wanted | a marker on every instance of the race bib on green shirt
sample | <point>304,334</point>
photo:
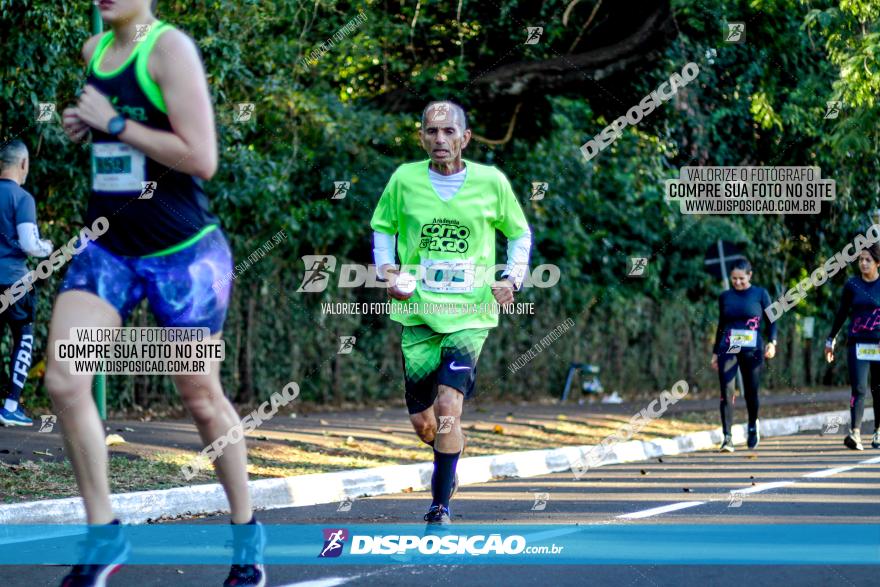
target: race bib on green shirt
<point>453,276</point>
<point>117,168</point>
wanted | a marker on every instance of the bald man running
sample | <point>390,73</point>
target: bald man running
<point>445,212</point>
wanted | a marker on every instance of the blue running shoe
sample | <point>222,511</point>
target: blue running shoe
<point>248,543</point>
<point>438,514</point>
<point>16,418</point>
<point>105,546</point>
<point>754,436</point>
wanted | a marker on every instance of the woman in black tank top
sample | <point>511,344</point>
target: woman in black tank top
<point>147,106</point>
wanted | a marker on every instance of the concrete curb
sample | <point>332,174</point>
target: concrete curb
<point>304,490</point>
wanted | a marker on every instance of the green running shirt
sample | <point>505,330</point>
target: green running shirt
<point>449,240</point>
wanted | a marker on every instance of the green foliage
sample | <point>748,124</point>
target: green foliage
<point>761,102</point>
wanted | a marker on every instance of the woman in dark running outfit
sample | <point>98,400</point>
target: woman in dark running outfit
<point>861,302</point>
<point>147,106</point>
<point>738,344</point>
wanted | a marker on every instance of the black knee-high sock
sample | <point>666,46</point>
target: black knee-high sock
<point>443,477</point>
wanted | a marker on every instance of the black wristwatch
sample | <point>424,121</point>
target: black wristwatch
<point>116,126</point>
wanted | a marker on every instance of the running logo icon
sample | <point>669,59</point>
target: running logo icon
<point>541,500</point>
<point>736,32</point>
<point>637,266</point>
<point>148,188</point>
<point>832,425</point>
<point>736,499</point>
<point>334,541</point>
<point>45,110</point>
<point>832,110</point>
<point>141,32</point>
<point>318,270</point>
<point>340,189</point>
<point>535,33</point>
<point>346,345</point>
<point>445,426</point>
<point>47,423</point>
<point>245,111</point>
<point>439,113</point>
<point>539,190</point>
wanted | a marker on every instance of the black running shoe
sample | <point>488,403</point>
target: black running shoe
<point>248,543</point>
<point>103,543</point>
<point>438,514</point>
<point>727,445</point>
<point>875,441</point>
<point>246,575</point>
<point>853,440</point>
<point>754,436</point>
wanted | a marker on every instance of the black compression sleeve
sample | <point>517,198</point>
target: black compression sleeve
<point>765,303</point>
<point>842,310</point>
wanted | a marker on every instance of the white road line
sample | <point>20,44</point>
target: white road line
<point>763,487</point>
<point>326,582</point>
<point>836,470</point>
<point>660,510</point>
<point>755,489</point>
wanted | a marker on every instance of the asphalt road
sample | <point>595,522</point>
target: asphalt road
<point>800,479</point>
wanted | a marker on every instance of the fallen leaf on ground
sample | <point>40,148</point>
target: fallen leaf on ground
<point>113,439</point>
<point>498,429</point>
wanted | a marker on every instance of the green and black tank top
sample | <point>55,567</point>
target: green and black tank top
<point>152,209</point>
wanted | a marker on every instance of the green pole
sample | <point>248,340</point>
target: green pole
<point>99,384</point>
<point>97,23</point>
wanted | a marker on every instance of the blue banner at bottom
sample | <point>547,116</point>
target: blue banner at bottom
<point>355,544</point>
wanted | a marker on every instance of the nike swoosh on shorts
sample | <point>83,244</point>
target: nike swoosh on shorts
<point>455,367</point>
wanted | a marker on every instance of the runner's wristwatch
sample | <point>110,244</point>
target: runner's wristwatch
<point>116,126</point>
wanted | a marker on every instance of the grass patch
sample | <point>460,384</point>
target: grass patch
<point>32,480</point>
